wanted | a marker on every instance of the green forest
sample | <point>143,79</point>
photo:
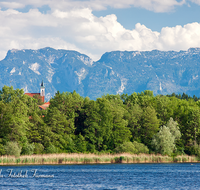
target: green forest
<point>136,123</point>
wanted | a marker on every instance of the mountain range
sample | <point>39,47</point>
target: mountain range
<point>117,72</point>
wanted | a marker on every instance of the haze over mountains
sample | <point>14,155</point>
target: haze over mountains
<point>163,72</point>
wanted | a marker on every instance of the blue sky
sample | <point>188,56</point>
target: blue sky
<point>94,27</point>
<point>128,17</point>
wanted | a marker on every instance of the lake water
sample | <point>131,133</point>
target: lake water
<point>101,176</point>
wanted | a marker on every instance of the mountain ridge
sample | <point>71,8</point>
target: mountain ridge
<point>163,72</point>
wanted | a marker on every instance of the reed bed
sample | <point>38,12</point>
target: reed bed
<point>80,158</point>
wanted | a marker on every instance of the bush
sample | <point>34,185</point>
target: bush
<point>91,148</point>
<point>132,147</point>
<point>12,148</point>
<point>28,149</point>
<point>51,149</point>
<point>39,148</point>
<point>141,148</point>
<point>197,150</point>
<point>126,147</point>
<point>193,149</point>
<point>2,150</point>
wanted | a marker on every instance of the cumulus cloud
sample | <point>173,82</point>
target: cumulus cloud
<point>78,29</point>
<point>179,37</point>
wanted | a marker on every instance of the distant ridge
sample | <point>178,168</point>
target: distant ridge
<point>163,72</point>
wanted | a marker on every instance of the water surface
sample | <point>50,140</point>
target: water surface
<point>101,176</point>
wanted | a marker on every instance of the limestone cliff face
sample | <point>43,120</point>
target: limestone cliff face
<point>163,72</point>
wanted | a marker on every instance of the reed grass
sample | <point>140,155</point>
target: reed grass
<point>81,158</point>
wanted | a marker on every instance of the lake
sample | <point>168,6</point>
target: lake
<point>101,176</point>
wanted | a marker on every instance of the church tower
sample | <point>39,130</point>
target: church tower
<point>42,89</point>
<point>40,95</point>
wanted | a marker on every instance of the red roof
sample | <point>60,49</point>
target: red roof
<point>44,106</point>
<point>33,94</point>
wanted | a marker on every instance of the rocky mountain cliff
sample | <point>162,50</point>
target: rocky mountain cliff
<point>163,72</point>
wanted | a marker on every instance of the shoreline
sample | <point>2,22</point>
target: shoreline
<point>80,158</point>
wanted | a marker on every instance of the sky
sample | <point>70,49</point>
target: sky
<point>93,27</point>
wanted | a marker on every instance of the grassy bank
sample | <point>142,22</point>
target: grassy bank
<point>93,159</point>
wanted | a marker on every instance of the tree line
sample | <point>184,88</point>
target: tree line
<point>136,123</point>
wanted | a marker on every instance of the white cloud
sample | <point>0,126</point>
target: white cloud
<point>11,5</point>
<point>196,1</point>
<point>153,5</point>
<point>78,29</point>
<point>179,37</point>
<point>66,5</point>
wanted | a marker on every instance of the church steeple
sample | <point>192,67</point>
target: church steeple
<point>42,89</point>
